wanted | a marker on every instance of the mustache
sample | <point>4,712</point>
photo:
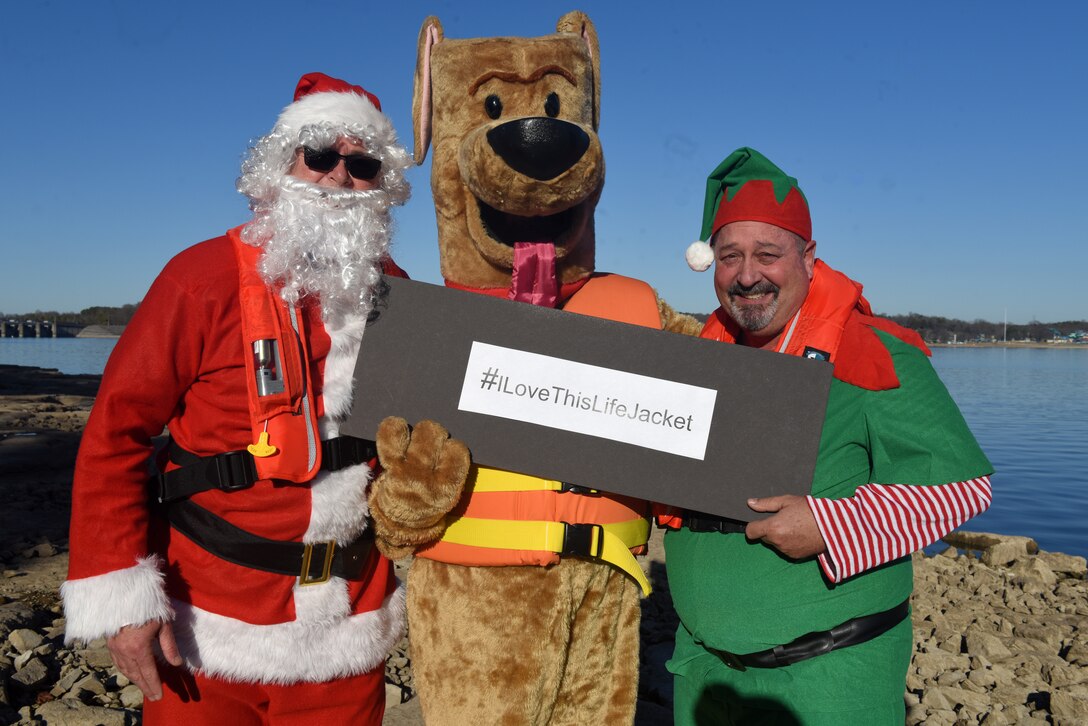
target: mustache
<point>760,288</point>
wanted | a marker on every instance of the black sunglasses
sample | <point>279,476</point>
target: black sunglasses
<point>360,166</point>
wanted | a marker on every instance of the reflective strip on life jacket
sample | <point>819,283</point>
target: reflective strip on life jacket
<point>609,542</point>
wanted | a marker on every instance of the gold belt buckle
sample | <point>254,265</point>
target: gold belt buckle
<point>304,578</point>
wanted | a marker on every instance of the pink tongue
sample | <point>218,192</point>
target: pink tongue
<point>533,278</point>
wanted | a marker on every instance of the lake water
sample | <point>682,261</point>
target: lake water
<point>68,355</point>
<point>1027,407</point>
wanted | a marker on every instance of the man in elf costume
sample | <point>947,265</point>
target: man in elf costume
<point>803,617</point>
<point>250,561</point>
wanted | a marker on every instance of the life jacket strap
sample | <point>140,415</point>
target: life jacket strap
<point>610,543</point>
<point>235,470</point>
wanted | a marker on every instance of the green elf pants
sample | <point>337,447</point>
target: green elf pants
<point>861,685</point>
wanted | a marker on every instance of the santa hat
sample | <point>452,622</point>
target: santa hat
<point>322,100</point>
<point>748,187</point>
<point>324,109</point>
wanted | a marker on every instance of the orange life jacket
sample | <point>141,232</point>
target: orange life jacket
<point>506,518</point>
<point>283,415</point>
<point>835,323</point>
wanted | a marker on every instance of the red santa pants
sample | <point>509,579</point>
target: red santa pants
<point>195,700</point>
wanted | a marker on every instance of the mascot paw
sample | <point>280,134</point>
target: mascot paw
<point>423,475</point>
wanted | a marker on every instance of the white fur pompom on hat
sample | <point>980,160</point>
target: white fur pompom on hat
<point>699,256</point>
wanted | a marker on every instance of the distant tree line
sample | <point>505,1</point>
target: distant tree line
<point>935,329</point>
<point>97,315</point>
<point>932,328</point>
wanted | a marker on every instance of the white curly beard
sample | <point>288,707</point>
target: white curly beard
<point>324,242</point>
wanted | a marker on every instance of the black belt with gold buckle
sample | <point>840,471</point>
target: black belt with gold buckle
<point>853,632</point>
<point>311,563</point>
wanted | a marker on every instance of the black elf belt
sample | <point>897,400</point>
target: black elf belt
<point>853,632</point>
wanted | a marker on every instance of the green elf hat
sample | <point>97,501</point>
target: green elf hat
<point>748,187</point>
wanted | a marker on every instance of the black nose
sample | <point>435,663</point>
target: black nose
<point>539,147</point>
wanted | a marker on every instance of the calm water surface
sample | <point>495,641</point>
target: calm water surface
<point>1028,409</point>
<point>67,355</point>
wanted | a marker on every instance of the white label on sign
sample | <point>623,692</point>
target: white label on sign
<point>649,412</point>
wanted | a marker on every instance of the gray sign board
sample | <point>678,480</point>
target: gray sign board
<point>749,424</point>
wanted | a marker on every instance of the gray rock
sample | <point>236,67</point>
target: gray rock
<point>67,680</point>
<point>986,644</point>
<point>32,675</point>
<point>89,684</point>
<point>24,639</point>
<point>132,697</point>
<point>70,712</point>
<point>997,549</point>
<point>97,657</point>
<point>1034,575</point>
<point>1065,564</point>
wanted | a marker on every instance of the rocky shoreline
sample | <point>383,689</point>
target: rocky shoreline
<point>1001,628</point>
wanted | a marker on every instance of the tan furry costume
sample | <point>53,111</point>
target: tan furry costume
<point>514,644</point>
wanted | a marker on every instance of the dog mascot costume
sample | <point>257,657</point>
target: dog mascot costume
<point>503,628</point>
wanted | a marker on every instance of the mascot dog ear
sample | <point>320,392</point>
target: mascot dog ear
<point>431,34</point>
<point>576,22</point>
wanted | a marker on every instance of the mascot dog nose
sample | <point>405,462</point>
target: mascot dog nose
<point>539,147</point>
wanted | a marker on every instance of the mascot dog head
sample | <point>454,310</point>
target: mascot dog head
<point>513,123</point>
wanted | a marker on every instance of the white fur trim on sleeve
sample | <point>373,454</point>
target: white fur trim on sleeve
<point>99,606</point>
<point>699,256</point>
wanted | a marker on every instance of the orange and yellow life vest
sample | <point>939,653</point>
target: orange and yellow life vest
<point>507,518</point>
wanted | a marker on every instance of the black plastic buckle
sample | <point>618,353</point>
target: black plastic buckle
<point>578,540</point>
<point>236,470</point>
<point>698,522</point>
<point>567,487</point>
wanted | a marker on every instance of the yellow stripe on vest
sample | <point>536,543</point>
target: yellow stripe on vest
<point>610,542</point>
<point>500,480</point>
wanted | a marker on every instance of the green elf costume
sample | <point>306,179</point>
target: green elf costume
<point>764,639</point>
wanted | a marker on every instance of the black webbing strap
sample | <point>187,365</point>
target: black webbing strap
<point>312,564</point>
<point>853,632</point>
<point>702,522</point>
<point>235,470</point>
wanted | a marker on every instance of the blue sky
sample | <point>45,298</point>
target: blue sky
<point>941,144</point>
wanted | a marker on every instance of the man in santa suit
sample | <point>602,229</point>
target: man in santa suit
<point>249,565</point>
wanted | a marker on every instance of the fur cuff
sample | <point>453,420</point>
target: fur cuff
<point>99,606</point>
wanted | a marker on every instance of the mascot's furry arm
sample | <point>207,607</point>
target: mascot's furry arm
<point>423,475</point>
<point>675,322</point>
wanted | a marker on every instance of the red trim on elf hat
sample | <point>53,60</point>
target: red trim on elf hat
<point>320,83</point>
<point>756,202</point>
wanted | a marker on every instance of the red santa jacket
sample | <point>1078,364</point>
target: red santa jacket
<point>181,363</point>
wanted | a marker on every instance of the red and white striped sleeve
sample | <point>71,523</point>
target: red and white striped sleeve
<point>881,523</point>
